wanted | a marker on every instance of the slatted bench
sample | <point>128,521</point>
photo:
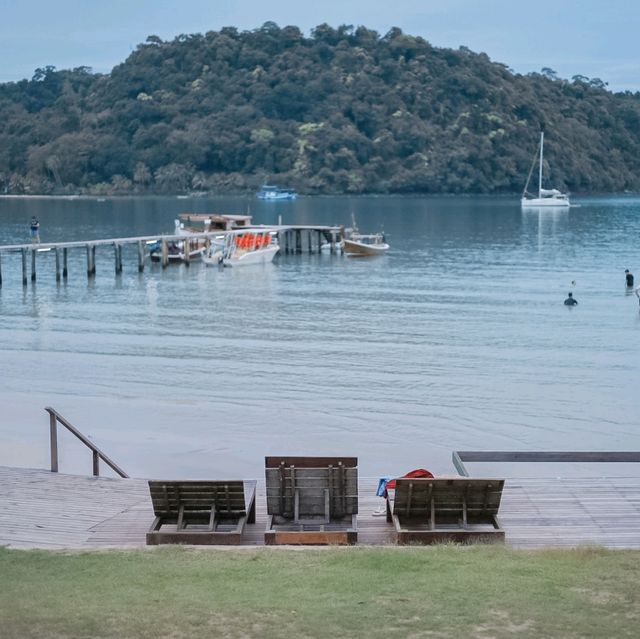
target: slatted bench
<point>201,512</point>
<point>311,500</point>
<point>445,509</point>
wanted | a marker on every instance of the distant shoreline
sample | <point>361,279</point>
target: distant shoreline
<point>202,196</point>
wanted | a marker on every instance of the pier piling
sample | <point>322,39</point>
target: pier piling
<point>140,257</point>
<point>117,251</point>
<point>57,265</point>
<point>33,265</point>
<point>164,253</point>
<point>186,249</point>
<point>64,263</point>
<point>24,266</point>
<point>91,260</point>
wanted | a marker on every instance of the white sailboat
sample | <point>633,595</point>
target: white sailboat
<point>546,197</point>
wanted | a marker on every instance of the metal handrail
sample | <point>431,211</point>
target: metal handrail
<point>54,418</point>
<point>603,457</point>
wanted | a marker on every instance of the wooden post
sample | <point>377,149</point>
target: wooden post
<point>298,241</point>
<point>91,260</point>
<point>0,269</point>
<point>88,261</point>
<point>140,257</point>
<point>65,272</point>
<point>186,251</point>
<point>165,253</point>
<point>53,435</point>
<point>96,464</point>
<point>24,266</point>
<point>319,241</point>
<point>57,265</point>
<point>117,252</point>
<point>309,234</point>
<point>33,265</point>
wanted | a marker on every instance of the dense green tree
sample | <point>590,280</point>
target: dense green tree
<point>343,110</point>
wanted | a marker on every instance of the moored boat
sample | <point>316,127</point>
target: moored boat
<point>546,197</point>
<point>176,251</point>
<point>270,192</point>
<point>195,224</point>
<point>356,244</point>
<point>359,245</point>
<point>177,248</point>
<point>243,248</point>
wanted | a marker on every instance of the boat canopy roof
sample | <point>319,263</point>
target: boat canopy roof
<point>550,192</point>
<point>221,221</point>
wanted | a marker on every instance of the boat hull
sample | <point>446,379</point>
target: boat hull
<point>359,249</point>
<point>261,256</point>
<point>177,258</point>
<point>544,202</point>
<point>277,198</point>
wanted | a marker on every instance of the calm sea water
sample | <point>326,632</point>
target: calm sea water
<point>457,339</point>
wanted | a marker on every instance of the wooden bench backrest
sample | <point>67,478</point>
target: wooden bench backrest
<point>413,498</point>
<point>196,496</point>
<point>312,476</point>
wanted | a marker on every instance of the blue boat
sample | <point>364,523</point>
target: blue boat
<point>269,192</point>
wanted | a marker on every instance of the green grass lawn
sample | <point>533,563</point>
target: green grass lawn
<point>439,591</point>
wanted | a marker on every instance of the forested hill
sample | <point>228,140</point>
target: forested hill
<point>344,110</point>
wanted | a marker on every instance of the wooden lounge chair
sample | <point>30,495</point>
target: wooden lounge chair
<point>311,500</point>
<point>201,512</point>
<point>445,509</point>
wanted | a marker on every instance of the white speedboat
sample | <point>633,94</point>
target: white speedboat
<point>546,197</point>
<point>243,248</point>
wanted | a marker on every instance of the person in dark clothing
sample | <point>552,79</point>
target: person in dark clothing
<point>570,301</point>
<point>34,228</point>
<point>629,277</point>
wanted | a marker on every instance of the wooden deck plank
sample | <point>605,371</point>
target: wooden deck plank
<point>40,509</point>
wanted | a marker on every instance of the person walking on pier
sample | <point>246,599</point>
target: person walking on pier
<point>35,230</point>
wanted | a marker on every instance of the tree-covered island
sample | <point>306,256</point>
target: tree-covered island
<point>342,111</point>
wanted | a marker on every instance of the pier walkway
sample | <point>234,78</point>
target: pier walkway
<point>41,509</point>
<point>291,238</point>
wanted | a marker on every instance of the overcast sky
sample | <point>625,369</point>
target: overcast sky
<point>595,38</point>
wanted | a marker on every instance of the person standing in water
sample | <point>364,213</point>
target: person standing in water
<point>629,277</point>
<point>570,301</point>
<point>34,227</point>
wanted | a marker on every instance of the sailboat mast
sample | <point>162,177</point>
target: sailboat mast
<point>540,170</point>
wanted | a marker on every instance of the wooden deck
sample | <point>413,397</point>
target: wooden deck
<point>40,509</point>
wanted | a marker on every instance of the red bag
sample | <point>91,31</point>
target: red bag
<point>419,473</point>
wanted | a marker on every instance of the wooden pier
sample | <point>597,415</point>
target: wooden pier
<point>41,509</point>
<point>45,509</point>
<point>292,240</point>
